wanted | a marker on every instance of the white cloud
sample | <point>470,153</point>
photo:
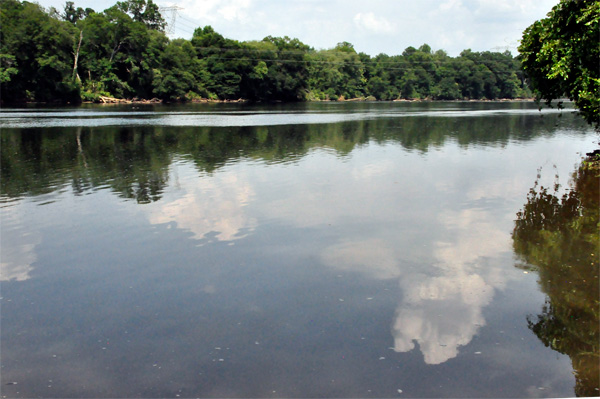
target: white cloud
<point>216,11</point>
<point>383,26</point>
<point>450,5</point>
<point>512,7</point>
<point>372,23</point>
<point>235,10</point>
<point>198,9</point>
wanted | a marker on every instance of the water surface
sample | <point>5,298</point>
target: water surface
<point>309,250</point>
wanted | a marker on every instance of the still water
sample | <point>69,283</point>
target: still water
<point>308,250</point>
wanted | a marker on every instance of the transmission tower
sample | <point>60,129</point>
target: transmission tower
<point>171,22</point>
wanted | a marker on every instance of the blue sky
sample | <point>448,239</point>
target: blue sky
<point>373,26</point>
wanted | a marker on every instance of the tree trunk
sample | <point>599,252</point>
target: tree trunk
<point>75,73</point>
<point>115,50</point>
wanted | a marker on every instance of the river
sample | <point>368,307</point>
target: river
<point>294,250</point>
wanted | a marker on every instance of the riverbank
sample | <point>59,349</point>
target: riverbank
<point>112,100</point>
<point>155,101</point>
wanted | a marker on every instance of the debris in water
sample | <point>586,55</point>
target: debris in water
<point>382,358</point>
<point>478,353</point>
<point>399,390</point>
<point>11,383</point>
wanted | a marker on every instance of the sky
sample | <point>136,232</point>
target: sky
<point>373,26</point>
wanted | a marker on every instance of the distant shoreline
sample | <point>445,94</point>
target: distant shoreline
<point>112,100</point>
<point>242,101</point>
<point>156,101</point>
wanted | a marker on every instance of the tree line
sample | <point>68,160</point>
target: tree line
<point>79,54</point>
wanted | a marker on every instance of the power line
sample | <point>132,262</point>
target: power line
<point>373,60</point>
<point>176,17</point>
<point>354,64</point>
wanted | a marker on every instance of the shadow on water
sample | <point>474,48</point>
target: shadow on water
<point>558,238</point>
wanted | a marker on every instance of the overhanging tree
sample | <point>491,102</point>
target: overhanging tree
<point>561,56</point>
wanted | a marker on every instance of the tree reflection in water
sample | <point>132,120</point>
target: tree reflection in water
<point>558,237</point>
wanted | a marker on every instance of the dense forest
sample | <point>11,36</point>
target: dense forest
<point>79,54</point>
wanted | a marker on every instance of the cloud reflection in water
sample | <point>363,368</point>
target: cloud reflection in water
<point>444,290</point>
<point>442,304</point>
<point>17,253</point>
<point>209,205</point>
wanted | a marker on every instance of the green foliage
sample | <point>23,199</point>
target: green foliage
<point>123,52</point>
<point>40,49</point>
<point>338,72</point>
<point>277,71</point>
<point>72,14</point>
<point>174,79</point>
<point>560,55</point>
<point>8,64</point>
<point>143,11</point>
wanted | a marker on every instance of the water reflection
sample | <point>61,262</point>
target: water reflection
<point>133,161</point>
<point>135,248</point>
<point>557,236</point>
<point>374,257</point>
<point>441,314</point>
<point>444,311</point>
<point>18,250</point>
<point>442,302</point>
<point>210,205</point>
